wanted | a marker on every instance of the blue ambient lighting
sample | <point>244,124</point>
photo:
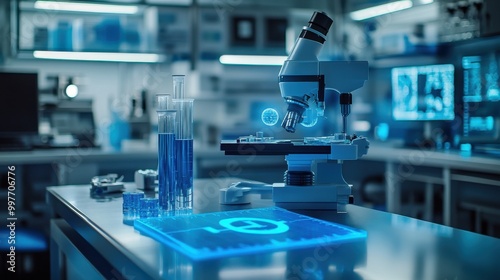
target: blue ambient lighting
<point>270,116</point>
<point>242,232</point>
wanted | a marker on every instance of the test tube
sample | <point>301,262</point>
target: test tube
<point>178,81</point>
<point>184,154</point>
<point>166,153</point>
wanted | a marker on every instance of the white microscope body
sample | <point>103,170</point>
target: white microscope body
<point>314,177</point>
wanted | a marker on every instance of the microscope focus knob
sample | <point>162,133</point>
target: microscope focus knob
<point>345,103</point>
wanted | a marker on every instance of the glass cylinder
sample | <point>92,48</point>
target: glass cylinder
<point>163,101</point>
<point>178,81</point>
<point>184,125</point>
<point>184,154</point>
<point>166,154</point>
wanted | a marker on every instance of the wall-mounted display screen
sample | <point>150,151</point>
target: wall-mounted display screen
<point>481,97</point>
<point>243,32</point>
<point>423,93</point>
<point>276,32</point>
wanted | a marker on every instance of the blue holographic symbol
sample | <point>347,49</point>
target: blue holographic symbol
<point>270,116</point>
<point>310,117</point>
<point>254,225</point>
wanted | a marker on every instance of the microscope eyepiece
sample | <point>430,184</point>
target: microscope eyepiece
<point>318,27</point>
<point>320,22</point>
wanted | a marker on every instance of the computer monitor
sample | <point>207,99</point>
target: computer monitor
<point>481,98</point>
<point>423,93</point>
<point>18,109</point>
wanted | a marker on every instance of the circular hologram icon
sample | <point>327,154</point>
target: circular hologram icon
<point>270,116</point>
<point>310,117</point>
<point>254,225</point>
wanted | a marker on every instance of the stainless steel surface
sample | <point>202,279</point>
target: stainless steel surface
<point>397,247</point>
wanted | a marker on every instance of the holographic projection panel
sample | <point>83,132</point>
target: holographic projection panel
<point>234,233</point>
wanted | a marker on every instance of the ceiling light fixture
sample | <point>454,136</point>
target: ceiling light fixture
<point>381,10</point>
<point>86,7</point>
<point>101,56</point>
<point>252,59</point>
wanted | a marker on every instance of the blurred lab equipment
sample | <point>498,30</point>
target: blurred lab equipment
<point>71,89</point>
<point>119,130</point>
<point>106,184</point>
<point>139,122</point>
<point>382,131</point>
<point>67,123</point>
<point>146,179</point>
<point>314,177</point>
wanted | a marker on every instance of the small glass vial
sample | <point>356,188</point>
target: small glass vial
<point>148,207</point>
<point>131,206</point>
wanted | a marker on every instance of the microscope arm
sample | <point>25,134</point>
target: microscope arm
<point>344,76</point>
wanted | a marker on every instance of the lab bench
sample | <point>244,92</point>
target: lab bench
<point>90,240</point>
<point>457,175</point>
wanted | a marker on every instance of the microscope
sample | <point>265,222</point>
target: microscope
<point>314,177</point>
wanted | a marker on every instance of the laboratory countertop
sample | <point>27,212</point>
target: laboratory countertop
<point>396,247</point>
<point>378,151</point>
<point>90,154</point>
<point>428,156</point>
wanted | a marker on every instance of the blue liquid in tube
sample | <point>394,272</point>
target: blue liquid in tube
<point>166,167</point>
<point>184,150</point>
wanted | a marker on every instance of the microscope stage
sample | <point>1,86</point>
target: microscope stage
<point>276,147</point>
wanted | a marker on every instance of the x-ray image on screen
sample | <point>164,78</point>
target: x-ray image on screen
<point>423,92</point>
<point>481,77</point>
<point>481,97</point>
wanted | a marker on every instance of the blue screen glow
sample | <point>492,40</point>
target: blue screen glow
<point>234,233</point>
<point>423,92</point>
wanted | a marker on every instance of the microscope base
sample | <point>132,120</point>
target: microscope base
<point>316,197</point>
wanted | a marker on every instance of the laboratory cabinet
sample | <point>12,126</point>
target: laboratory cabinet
<point>97,30</point>
<point>450,187</point>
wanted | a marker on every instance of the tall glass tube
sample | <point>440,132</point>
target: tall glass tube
<point>178,81</point>
<point>184,154</point>
<point>166,154</point>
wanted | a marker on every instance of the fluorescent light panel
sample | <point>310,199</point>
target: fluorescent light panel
<point>100,56</point>
<point>252,59</point>
<point>86,7</point>
<point>381,10</point>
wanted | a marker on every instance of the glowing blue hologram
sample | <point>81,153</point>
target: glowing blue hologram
<point>310,117</point>
<point>241,232</point>
<point>270,117</point>
<point>249,226</point>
